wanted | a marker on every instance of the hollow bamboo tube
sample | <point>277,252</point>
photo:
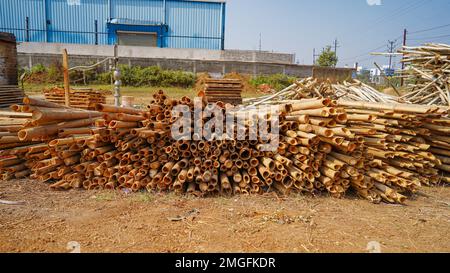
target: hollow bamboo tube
<point>10,162</point>
<point>323,122</point>
<point>70,140</point>
<point>307,128</point>
<point>46,130</point>
<point>303,119</point>
<point>320,112</point>
<point>356,117</point>
<point>74,131</point>
<point>343,132</point>
<point>313,104</point>
<point>43,103</point>
<point>322,131</point>
<point>391,107</point>
<point>444,167</point>
<point>115,109</point>
<point>62,114</point>
<point>116,124</point>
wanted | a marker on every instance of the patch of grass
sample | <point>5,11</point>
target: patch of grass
<point>142,94</point>
<point>143,197</point>
<point>276,81</point>
<point>106,196</point>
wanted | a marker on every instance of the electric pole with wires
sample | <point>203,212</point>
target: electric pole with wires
<point>391,50</point>
<point>336,45</point>
<point>315,56</point>
<point>402,80</point>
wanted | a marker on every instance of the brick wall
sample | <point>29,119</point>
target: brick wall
<point>8,59</point>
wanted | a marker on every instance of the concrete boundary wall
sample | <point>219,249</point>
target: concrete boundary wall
<point>157,53</point>
<point>194,66</point>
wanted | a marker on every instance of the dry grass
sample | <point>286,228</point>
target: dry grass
<point>142,95</point>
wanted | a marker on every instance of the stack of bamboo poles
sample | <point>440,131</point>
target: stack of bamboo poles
<point>82,99</point>
<point>224,90</point>
<point>359,91</point>
<point>337,152</point>
<point>10,94</point>
<point>409,143</point>
<point>403,146</point>
<point>125,150</point>
<point>313,88</point>
<point>31,140</point>
<point>225,166</point>
<point>427,74</point>
<point>439,140</point>
<point>380,151</point>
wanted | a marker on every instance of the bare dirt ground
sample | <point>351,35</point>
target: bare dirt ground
<point>106,221</point>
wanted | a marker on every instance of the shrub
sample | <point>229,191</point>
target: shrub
<point>277,81</point>
<point>103,78</point>
<point>55,73</point>
<point>39,68</point>
<point>131,76</point>
<point>155,76</point>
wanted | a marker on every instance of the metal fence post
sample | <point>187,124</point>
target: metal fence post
<point>27,29</point>
<point>96,31</point>
<point>117,76</point>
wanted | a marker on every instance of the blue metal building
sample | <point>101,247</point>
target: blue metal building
<point>161,23</point>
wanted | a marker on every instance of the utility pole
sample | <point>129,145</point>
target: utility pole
<point>335,47</point>
<point>315,55</point>
<point>260,42</point>
<point>403,64</point>
<point>390,50</point>
<point>117,76</point>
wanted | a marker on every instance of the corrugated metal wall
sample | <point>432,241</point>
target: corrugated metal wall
<point>183,23</point>
<point>13,14</point>
<point>140,10</point>
<point>76,23</point>
<point>182,27</point>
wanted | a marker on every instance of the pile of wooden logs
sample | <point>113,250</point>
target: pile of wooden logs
<point>224,90</point>
<point>79,98</point>
<point>379,151</point>
<point>10,94</point>
<point>313,88</point>
<point>427,74</point>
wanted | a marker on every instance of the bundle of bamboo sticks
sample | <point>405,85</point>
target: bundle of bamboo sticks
<point>224,90</point>
<point>79,98</point>
<point>397,136</point>
<point>427,73</point>
<point>379,151</point>
<point>28,143</point>
<point>314,88</point>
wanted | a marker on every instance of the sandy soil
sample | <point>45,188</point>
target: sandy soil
<point>105,221</point>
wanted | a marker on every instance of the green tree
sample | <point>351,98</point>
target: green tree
<point>327,58</point>
<point>364,76</point>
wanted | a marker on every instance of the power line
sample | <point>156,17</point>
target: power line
<point>401,11</point>
<point>370,51</point>
<point>391,50</point>
<point>405,9</point>
<point>363,54</point>
<point>429,29</point>
<point>429,38</point>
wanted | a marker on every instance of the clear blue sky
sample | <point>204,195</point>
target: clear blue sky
<point>298,26</point>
